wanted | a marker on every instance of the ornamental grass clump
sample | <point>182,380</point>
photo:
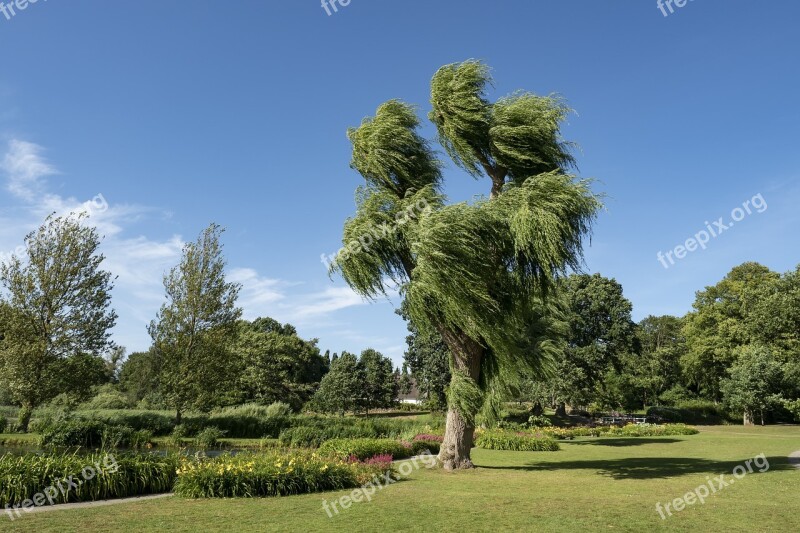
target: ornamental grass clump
<point>101,476</point>
<point>274,473</point>
<point>504,440</point>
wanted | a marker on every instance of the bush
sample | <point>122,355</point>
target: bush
<point>108,397</point>
<point>364,448</point>
<point>794,408</point>
<point>539,421</point>
<point>252,420</point>
<point>160,423</point>
<point>311,432</point>
<point>3,424</point>
<point>118,476</point>
<point>94,434</point>
<point>504,440</point>
<point>651,430</point>
<point>691,412</point>
<point>418,447</point>
<point>272,473</point>
<point>429,437</point>
<point>209,437</point>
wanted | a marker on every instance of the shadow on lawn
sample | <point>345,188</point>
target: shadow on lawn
<point>648,467</point>
<point>624,441</point>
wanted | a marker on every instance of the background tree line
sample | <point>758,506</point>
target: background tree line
<point>737,349</point>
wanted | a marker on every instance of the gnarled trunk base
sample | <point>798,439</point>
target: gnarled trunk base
<point>458,439</point>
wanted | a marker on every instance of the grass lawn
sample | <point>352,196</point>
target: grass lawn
<point>609,484</point>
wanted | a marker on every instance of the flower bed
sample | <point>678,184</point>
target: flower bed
<point>272,474</point>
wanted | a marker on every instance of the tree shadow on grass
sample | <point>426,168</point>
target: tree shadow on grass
<point>650,467</point>
<point>624,441</point>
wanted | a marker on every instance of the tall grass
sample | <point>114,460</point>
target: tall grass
<point>123,476</point>
<point>311,432</point>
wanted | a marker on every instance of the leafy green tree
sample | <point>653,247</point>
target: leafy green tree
<point>276,364</point>
<point>380,386</point>
<point>719,325</point>
<point>480,274</point>
<point>602,333</point>
<point>140,374</point>
<point>656,370</point>
<point>754,383</point>
<point>341,388</point>
<point>428,358</point>
<point>196,327</point>
<point>57,306</point>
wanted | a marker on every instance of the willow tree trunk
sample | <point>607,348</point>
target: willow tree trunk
<point>459,432</point>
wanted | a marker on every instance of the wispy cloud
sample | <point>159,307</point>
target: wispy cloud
<point>139,262</point>
<point>26,169</point>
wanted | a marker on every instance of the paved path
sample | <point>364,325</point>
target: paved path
<point>794,459</point>
<point>86,505</point>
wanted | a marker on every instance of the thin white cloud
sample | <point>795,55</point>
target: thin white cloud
<point>139,262</point>
<point>26,169</point>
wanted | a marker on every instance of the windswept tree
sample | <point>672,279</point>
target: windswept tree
<point>480,274</point>
<point>195,328</point>
<point>57,307</point>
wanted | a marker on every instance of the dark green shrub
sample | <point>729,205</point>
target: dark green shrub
<point>504,440</point>
<point>699,412</point>
<point>94,434</point>
<point>311,432</point>
<point>160,423</point>
<point>419,447</point>
<point>252,420</point>
<point>108,397</point>
<point>209,437</point>
<point>364,448</point>
<point>539,421</point>
<point>3,424</point>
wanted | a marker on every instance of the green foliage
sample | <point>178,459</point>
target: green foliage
<point>701,412</point>
<point>519,133</point>
<point>363,383</point>
<point>539,421</point>
<point>270,473</point>
<point>429,360</point>
<point>275,364</point>
<point>602,334</point>
<point>194,328</point>
<point>341,388</point>
<point>139,376</point>
<point>504,440</point>
<point>252,420</point>
<point>311,432</point>
<point>794,408</point>
<point>208,438</point>
<point>92,434</point>
<point>465,396</point>
<point>108,397</point>
<point>3,424</point>
<point>480,274</point>
<point>754,385</point>
<point>55,312</point>
<point>718,326</point>
<point>650,430</point>
<point>364,449</point>
<point>118,476</point>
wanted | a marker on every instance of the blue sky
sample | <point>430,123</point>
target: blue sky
<point>185,112</point>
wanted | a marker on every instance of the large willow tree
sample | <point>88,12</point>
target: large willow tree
<point>481,274</point>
